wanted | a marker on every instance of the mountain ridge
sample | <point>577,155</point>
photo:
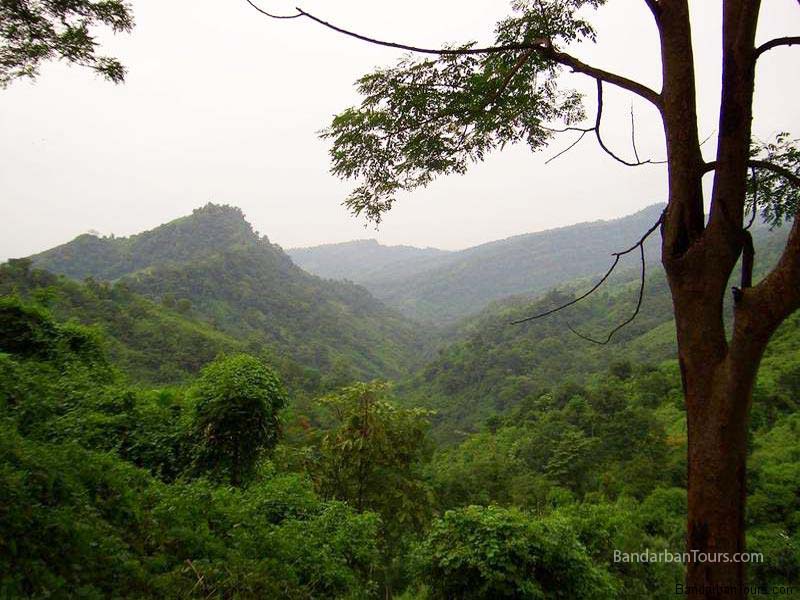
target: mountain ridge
<point>245,286</point>
<point>446,287</point>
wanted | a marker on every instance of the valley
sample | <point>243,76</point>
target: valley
<point>411,411</point>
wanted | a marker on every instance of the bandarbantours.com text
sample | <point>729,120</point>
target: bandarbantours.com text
<point>691,556</point>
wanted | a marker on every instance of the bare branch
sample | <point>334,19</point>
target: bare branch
<point>537,44</point>
<point>781,41</point>
<point>568,148</point>
<point>596,130</point>
<point>270,15</point>
<point>628,320</point>
<point>600,139</point>
<point>541,46</point>
<point>575,300</point>
<point>617,256</point>
<point>748,256</point>
<point>755,199</point>
<point>708,137</point>
<point>633,136</point>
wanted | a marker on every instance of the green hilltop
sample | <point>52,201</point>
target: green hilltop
<point>215,268</point>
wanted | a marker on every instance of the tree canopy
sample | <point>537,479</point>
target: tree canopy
<point>34,32</point>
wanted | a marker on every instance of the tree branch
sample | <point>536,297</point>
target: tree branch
<point>270,15</point>
<point>628,320</point>
<point>541,46</point>
<point>781,41</point>
<point>617,256</point>
<point>596,130</point>
<point>600,139</point>
<point>768,166</point>
<point>633,136</point>
<point>520,62</point>
<point>763,307</point>
<point>755,199</point>
<point>761,164</point>
<point>623,82</point>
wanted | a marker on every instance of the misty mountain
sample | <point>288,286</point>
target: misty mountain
<point>241,284</point>
<point>440,287</point>
<point>366,260</point>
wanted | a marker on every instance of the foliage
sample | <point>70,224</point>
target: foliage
<point>34,32</point>
<point>91,502</point>
<point>425,118</point>
<point>371,456</point>
<point>152,343</point>
<point>237,400</point>
<point>372,452</point>
<point>773,194</point>
<point>556,454</point>
<point>492,552</point>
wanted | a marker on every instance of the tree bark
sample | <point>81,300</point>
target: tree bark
<point>718,398</point>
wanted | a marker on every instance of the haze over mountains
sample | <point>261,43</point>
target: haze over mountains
<point>436,286</point>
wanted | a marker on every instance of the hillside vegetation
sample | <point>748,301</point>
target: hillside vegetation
<point>489,365</point>
<point>212,266</point>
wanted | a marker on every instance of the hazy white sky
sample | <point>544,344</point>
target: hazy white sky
<point>222,104</point>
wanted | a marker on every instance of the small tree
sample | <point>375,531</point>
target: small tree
<point>372,459</point>
<point>236,415</point>
<point>32,32</point>
<point>371,456</point>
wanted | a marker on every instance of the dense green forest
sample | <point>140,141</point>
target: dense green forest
<point>157,443</point>
<point>490,366</point>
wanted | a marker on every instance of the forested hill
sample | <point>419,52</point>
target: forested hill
<point>444,287</point>
<point>491,366</point>
<point>366,260</point>
<point>216,269</point>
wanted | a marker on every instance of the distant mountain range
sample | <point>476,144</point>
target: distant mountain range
<point>440,287</point>
<point>485,365</point>
<point>366,260</point>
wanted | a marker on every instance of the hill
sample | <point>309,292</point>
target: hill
<point>441,287</point>
<point>216,269</point>
<point>366,260</point>
<point>149,342</point>
<point>489,366</point>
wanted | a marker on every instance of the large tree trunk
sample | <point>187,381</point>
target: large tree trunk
<point>718,377</point>
<point>717,404</point>
<point>718,374</point>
